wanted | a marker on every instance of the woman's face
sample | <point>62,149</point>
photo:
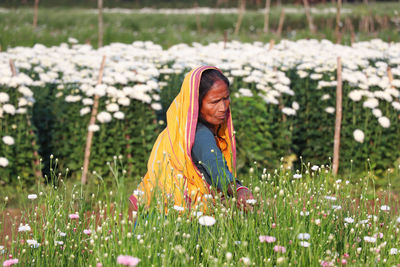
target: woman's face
<point>215,103</point>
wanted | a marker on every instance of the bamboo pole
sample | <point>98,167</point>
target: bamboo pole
<point>281,20</point>
<point>35,13</point>
<point>36,161</point>
<point>100,22</point>
<point>92,122</point>
<point>309,17</point>
<point>266,15</point>
<point>242,9</point>
<point>337,29</point>
<point>336,143</point>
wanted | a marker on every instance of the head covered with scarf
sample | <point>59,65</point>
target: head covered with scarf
<point>172,178</point>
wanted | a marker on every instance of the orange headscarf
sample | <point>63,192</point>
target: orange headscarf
<point>170,169</point>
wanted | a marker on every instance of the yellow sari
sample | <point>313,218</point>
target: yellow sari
<point>170,169</point>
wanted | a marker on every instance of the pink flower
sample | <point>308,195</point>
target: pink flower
<point>87,232</point>
<point>74,216</point>
<point>127,260</point>
<point>99,264</point>
<point>266,238</point>
<point>280,249</point>
<point>326,263</point>
<point>344,262</point>
<point>10,262</point>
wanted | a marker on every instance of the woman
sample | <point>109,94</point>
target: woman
<point>196,153</point>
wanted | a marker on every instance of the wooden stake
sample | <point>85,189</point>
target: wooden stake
<point>100,22</point>
<point>92,122</point>
<point>281,20</point>
<point>198,24</point>
<point>12,68</point>
<point>35,14</point>
<point>225,38</point>
<point>36,161</point>
<point>309,17</point>
<point>271,44</point>
<point>337,29</point>
<point>350,27</point>
<point>336,143</point>
<point>266,15</point>
<point>390,76</point>
<point>242,9</point>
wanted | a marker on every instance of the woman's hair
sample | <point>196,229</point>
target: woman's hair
<point>208,78</point>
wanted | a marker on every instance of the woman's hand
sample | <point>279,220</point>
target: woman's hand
<point>245,199</point>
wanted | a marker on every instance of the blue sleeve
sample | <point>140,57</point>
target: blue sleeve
<point>211,164</point>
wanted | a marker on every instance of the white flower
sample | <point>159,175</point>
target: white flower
<point>330,110</point>
<point>32,196</point>
<point>119,115</point>
<point>385,208</point>
<point>22,102</point>
<point>304,236</point>
<point>156,106</point>
<point>124,101</point>
<point>396,105</point>
<point>305,244</point>
<point>93,128</point>
<point>4,97</point>
<point>393,251</point>
<point>25,91</point>
<point>3,162</point>
<point>356,95</point>
<point>245,92</point>
<point>377,112</point>
<point>302,213</point>
<point>8,140</point>
<point>251,201</point>
<point>295,105</point>
<point>24,228</point>
<point>369,239</point>
<point>100,90</point>
<point>336,207</point>
<point>246,261</point>
<point>20,111</point>
<point>349,220</point>
<point>179,208</point>
<point>289,111</point>
<point>87,101</point>
<point>371,103</point>
<point>84,111</point>
<point>398,220</point>
<point>358,135</point>
<point>297,176</point>
<point>32,243</point>
<point>384,122</point>
<point>8,108</point>
<point>207,220</point>
<point>59,243</point>
<point>104,117</point>
<point>325,97</point>
<point>113,107</point>
<point>315,168</point>
<point>228,256</point>
<point>330,198</point>
<point>62,234</point>
<point>73,98</point>
<point>138,193</point>
<point>316,76</point>
<point>72,40</point>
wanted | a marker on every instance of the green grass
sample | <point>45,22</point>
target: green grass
<point>286,207</point>
<point>55,25</point>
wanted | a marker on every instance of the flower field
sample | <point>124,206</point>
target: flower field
<point>283,103</point>
<point>301,218</point>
